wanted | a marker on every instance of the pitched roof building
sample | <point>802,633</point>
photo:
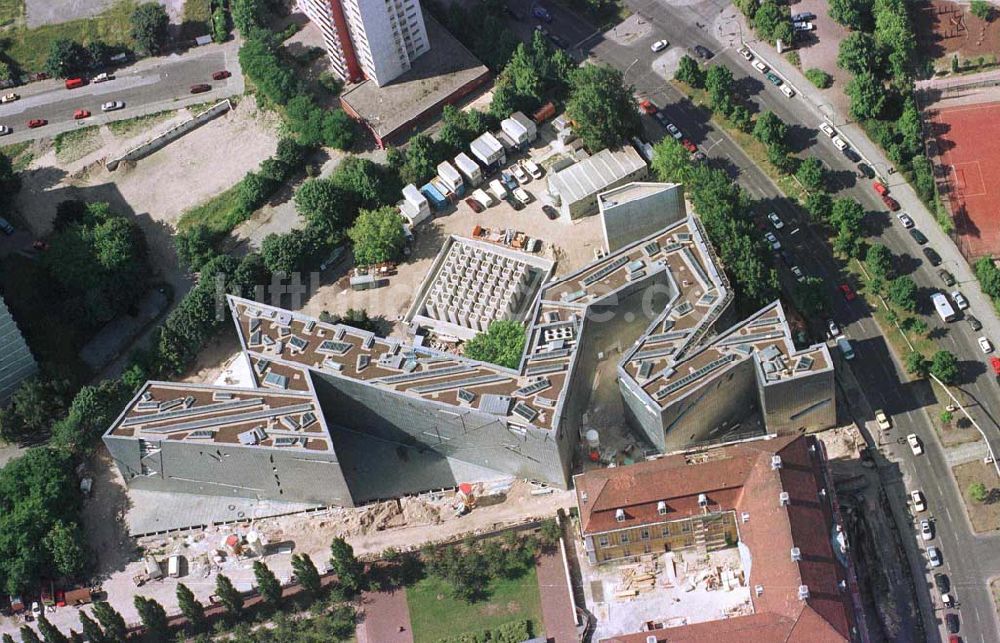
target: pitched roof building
<point>776,495</point>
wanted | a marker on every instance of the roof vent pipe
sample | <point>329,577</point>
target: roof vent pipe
<point>783,498</point>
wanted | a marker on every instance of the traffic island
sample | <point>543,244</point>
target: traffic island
<point>982,503</point>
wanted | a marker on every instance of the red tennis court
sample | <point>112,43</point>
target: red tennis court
<point>968,142</point>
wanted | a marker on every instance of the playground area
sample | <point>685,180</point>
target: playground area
<point>946,28</point>
<point>965,147</point>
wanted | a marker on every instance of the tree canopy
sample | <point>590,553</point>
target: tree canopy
<point>502,344</point>
<point>602,107</point>
<point>149,27</point>
<point>378,236</point>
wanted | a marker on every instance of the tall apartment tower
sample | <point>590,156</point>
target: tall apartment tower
<point>373,39</point>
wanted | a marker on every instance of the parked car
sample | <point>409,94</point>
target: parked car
<point>689,146</point>
<point>882,420</point>
<point>932,256</point>
<point>804,16</point>
<point>522,195</point>
<point>917,235</point>
<point>827,129</point>
<point>672,129</point>
<point>80,113</point>
<point>798,274</point>
<point>772,241</point>
<point>775,220</point>
<point>550,212</point>
<point>761,67</point>
<point>851,155</point>
<point>832,328</point>
<point>847,292</point>
<point>659,45</point>
<point>960,301</point>
<point>508,180</point>
<point>221,74</point>
<point>866,170</point>
<point>703,52</point>
<point>8,98</point>
<point>890,203</point>
<point>743,51</point>
<point>839,143</point>
<point>200,88</point>
<point>37,122</point>
<point>787,91</point>
<point>916,446</point>
<point>647,107</point>
<point>917,497</point>
<point>774,79</point>
<point>951,622</point>
<point>803,26</point>
<point>541,13</point>
<point>103,78</point>
<point>946,277</point>
<point>6,227</point>
<point>532,168</point>
<point>934,556</point>
<point>905,219</point>
<point>880,187</point>
<point>926,530</point>
<point>112,106</point>
<point>985,345</point>
<point>519,174</point>
<point>698,156</point>
<point>942,583</point>
<point>4,130</point>
<point>73,83</point>
<point>974,322</point>
<point>787,257</point>
<point>476,206</point>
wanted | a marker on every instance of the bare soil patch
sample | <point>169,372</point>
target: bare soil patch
<point>945,28</point>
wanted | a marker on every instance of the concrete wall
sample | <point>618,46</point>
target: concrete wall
<point>293,475</point>
<point>626,222</point>
<point>171,135</point>
<point>803,404</point>
<point>587,205</point>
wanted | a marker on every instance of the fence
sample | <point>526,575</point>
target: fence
<point>171,135</point>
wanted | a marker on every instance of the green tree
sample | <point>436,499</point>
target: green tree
<point>811,173</point>
<point>153,617</point>
<point>195,245</point>
<point>671,162</point>
<point>989,276</point>
<point>719,84</point>
<point>770,130</point>
<point>944,366</point>
<point>916,364</point>
<point>502,343</point>
<point>602,107</point>
<point>267,583</point>
<point>254,190</point>
<point>322,203</point>
<point>66,58</point>
<point>847,214</point>
<point>260,61</point>
<point>688,71</point>
<point>981,9</point>
<point>771,21</point>
<point>65,543</point>
<point>220,25</point>
<point>294,251</point>
<point>229,596</point>
<point>190,607</point>
<point>422,158</point>
<point>366,185</point>
<point>149,27</point>
<point>819,205</point>
<point>978,492</point>
<point>879,261</point>
<point>10,181</point>
<point>946,416</point>
<point>859,53</point>
<point>91,630</point>
<point>350,571</point>
<point>33,409</point>
<point>28,635</point>
<point>115,630</point>
<point>377,236</point>
<point>50,633</point>
<point>903,293</point>
<point>810,297</point>
<point>306,573</point>
<point>819,78</point>
<point>853,14</point>
<point>248,15</point>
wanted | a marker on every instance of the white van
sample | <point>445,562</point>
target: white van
<point>174,566</point>
<point>845,348</point>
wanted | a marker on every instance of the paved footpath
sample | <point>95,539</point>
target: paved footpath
<point>557,606</point>
<point>384,617</point>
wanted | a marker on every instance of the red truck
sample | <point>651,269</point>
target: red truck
<point>73,83</point>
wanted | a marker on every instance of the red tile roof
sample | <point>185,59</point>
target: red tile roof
<point>740,478</point>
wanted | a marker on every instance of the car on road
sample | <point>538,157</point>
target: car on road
<point>8,98</point>
<point>882,420</point>
<point>974,322</point>
<point>951,622</point>
<point>73,83</point>
<point>786,257</point>
<point>832,328</point>
<point>522,195</point>
<point>772,241</point>
<point>102,78</point>
<point>984,345</point>
<point>4,130</point>
<point>788,91</point>
<point>200,88</point>
<point>476,206</point>
<point>839,143</point>
<point>942,583</point>
<point>866,171</point>
<point>890,203</point>
<point>847,292</point>
<point>905,219</point>
<point>532,168</point>
<point>802,17</point>
<point>81,113</point>
<point>803,26</point>
<point>960,301</point>
<point>917,497</point>
<point>37,122</point>
<point>659,45</point>
<point>672,129</point>
<point>6,227</point>
<point>222,74</point>
<point>703,52</point>
<point>775,220</point>
<point>647,107</point>
<point>926,530</point>
<point>916,446</point>
<point>827,129</point>
<point>932,256</point>
<point>880,187</point>
<point>761,67</point>
<point>934,556</point>
<point>851,155</point>
<point>519,174</point>
<point>917,235</point>
<point>541,13</point>
<point>746,53</point>
<point>550,212</point>
<point>774,79</point>
<point>946,277</point>
<point>112,106</point>
<point>799,275</point>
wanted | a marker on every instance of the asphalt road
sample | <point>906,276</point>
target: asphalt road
<point>149,86</point>
<point>968,560</point>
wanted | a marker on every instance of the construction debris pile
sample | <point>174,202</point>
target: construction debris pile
<point>508,237</point>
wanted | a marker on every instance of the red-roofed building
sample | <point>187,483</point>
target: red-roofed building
<point>772,496</point>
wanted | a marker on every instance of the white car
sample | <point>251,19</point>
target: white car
<point>905,219</point>
<point>743,51</point>
<point>522,195</point>
<point>519,174</point>
<point>532,168</point>
<point>839,143</point>
<point>761,67</point>
<point>919,504</point>
<point>484,197</point>
<point>926,531</point>
<point>772,240</point>
<point>882,420</point>
<point>102,78</point>
<point>799,277</point>
<point>832,328</point>
<point>775,220</point>
<point>112,106</point>
<point>787,91</point>
<point>934,556</point>
<point>960,301</point>
<point>985,345</point>
<point>827,129</point>
<point>660,45</point>
<point>803,26</point>
<point>4,130</point>
<point>915,445</point>
<point>9,98</point>
<point>676,133</point>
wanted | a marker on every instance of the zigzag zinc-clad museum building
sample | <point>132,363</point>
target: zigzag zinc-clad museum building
<point>691,372</point>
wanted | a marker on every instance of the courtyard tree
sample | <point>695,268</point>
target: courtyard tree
<point>153,617</point>
<point>350,571</point>
<point>688,71</point>
<point>978,492</point>
<point>190,607</point>
<point>306,573</point>
<point>501,344</point>
<point>602,107</point>
<point>195,245</point>
<point>944,366</point>
<point>115,630</point>
<point>267,583</point>
<point>981,9</point>
<point>28,635</point>
<point>378,236</point>
<point>860,53</point>
<point>853,14</point>
<point>50,633</point>
<point>322,203</point>
<point>91,630</point>
<point>229,596</point>
<point>149,27</point>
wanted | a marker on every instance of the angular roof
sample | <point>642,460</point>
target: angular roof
<point>742,478</point>
<point>594,174</point>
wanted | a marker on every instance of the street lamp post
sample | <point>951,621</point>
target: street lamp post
<point>955,401</point>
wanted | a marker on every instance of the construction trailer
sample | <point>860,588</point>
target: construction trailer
<point>450,178</point>
<point>414,206</point>
<point>520,129</point>
<point>489,151</point>
<point>469,169</point>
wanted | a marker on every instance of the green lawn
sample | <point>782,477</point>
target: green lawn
<point>30,47</point>
<point>132,126</point>
<point>435,615</point>
<point>216,213</point>
<point>197,10</point>
<point>75,144</point>
<point>11,11</point>
<point>19,154</point>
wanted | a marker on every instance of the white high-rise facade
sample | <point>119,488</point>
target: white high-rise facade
<point>373,39</point>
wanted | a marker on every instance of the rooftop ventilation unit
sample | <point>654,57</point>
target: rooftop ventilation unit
<point>661,508</point>
<point>783,498</point>
<point>758,590</point>
<point>620,515</point>
<point>803,592</point>
<point>796,554</point>
<point>583,496</point>
<point>776,462</point>
<point>702,500</point>
<point>745,516</point>
<point>651,638</point>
